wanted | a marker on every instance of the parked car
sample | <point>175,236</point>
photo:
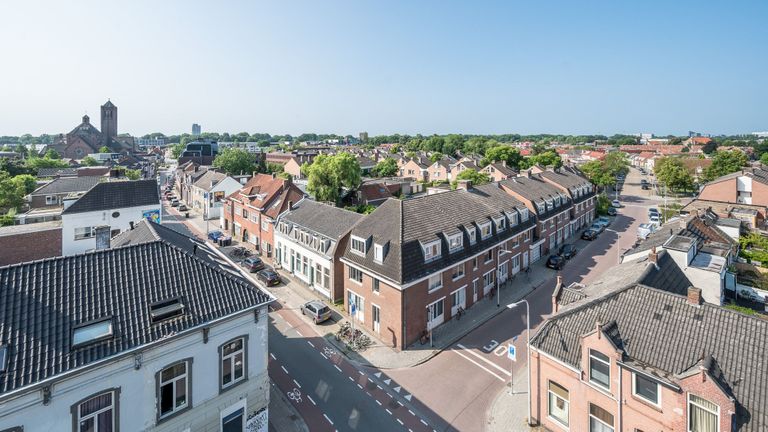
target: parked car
<point>253,264</point>
<point>175,203</point>
<point>316,310</point>
<point>616,204</point>
<point>183,207</point>
<point>269,277</point>
<point>568,251</point>
<point>612,211</point>
<point>652,211</point>
<point>604,220</point>
<point>655,219</point>
<point>596,226</point>
<point>556,262</point>
<point>646,186</point>
<point>643,182</point>
<point>645,229</point>
<point>589,234</point>
<point>214,235</point>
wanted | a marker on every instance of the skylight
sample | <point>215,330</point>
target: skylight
<point>92,332</point>
<point>166,309</point>
<point>3,358</point>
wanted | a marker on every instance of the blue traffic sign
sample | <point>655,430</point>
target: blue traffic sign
<point>352,309</point>
<point>512,353</point>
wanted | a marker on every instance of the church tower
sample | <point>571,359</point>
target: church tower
<point>108,121</point>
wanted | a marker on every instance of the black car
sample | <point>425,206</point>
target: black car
<point>612,211</point>
<point>556,262</point>
<point>568,251</point>
<point>646,187</point>
<point>269,277</point>
<point>589,234</point>
<point>253,264</point>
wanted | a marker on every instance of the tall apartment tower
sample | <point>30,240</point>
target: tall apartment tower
<point>108,121</point>
<point>196,129</point>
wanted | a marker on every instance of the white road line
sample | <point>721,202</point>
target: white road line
<point>369,394</point>
<point>337,368</point>
<point>380,387</point>
<point>389,395</point>
<point>469,351</point>
<point>273,356</point>
<point>285,370</point>
<point>351,379</point>
<point>311,344</point>
<point>388,411</point>
<point>370,380</point>
<point>377,401</point>
<point>479,365</point>
<point>329,420</point>
<point>299,333</point>
<point>311,400</point>
<point>401,404</point>
<point>411,412</point>
<point>297,383</point>
<point>425,423</point>
<point>400,421</point>
<point>361,387</point>
<point>324,356</point>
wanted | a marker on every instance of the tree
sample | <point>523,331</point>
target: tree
<point>177,149</point>
<point>477,178</point>
<point>105,149</point>
<point>725,162</point>
<point>616,163</point>
<point>764,159</point>
<point>709,147</point>
<point>235,160</point>
<point>597,174</point>
<point>35,163</point>
<point>675,141</point>
<point>89,161</point>
<point>52,154</point>
<point>386,167</point>
<point>328,174</point>
<point>435,156</point>
<point>133,174</point>
<point>503,153</point>
<point>13,189</point>
<point>671,172</point>
<point>547,158</point>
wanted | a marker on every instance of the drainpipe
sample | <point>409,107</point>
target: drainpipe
<point>618,403</point>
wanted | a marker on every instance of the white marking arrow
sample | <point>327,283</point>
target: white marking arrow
<point>397,389</point>
<point>387,381</point>
<point>377,374</point>
<point>408,397</point>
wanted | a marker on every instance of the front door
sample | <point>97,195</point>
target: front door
<point>435,314</point>
<point>474,291</point>
<point>525,259</point>
<point>233,422</point>
<point>359,303</point>
<point>376,312</point>
<point>458,300</point>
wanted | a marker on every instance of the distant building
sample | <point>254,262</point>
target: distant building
<point>86,139</point>
<point>202,152</point>
<point>150,142</point>
<point>196,129</point>
<point>364,137</point>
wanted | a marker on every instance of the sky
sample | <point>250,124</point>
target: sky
<point>474,67</point>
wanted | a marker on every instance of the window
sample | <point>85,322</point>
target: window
<point>375,286</point>
<point>703,415</point>
<point>435,282</point>
<point>264,225</point>
<point>245,213</point>
<point>378,253</point>
<point>358,246</point>
<point>512,218</point>
<point>472,235</point>
<point>646,389</point>
<point>3,358</point>
<point>51,200</point>
<point>457,272</point>
<point>455,242</point>
<point>488,256</point>
<point>165,309</point>
<point>92,332</point>
<point>485,230</point>
<point>232,363</point>
<point>527,236</point>
<point>97,413</point>
<point>474,263</point>
<point>523,215</point>
<point>600,420</point>
<point>173,389</point>
<point>431,250</point>
<point>501,224</point>
<point>558,403</point>
<point>355,275</point>
<point>83,233</point>
<point>435,314</point>
<point>600,369</point>
<point>488,279</point>
<point>516,242</point>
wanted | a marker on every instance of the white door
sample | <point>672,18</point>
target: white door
<point>515,264</point>
<point>535,253</point>
<point>376,312</point>
<point>435,314</point>
<point>525,259</point>
<point>458,300</point>
<point>359,303</point>
<point>503,272</point>
<point>474,291</point>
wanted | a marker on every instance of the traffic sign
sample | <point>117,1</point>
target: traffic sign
<point>352,309</point>
<point>512,353</point>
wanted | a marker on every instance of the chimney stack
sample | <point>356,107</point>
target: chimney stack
<point>653,256</point>
<point>464,184</point>
<point>290,205</point>
<point>101,233</point>
<point>694,296</point>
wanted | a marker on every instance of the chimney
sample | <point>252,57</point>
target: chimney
<point>131,225</point>
<point>464,184</point>
<point>101,233</point>
<point>504,163</point>
<point>527,172</point>
<point>653,256</point>
<point>290,205</point>
<point>254,174</point>
<point>556,294</point>
<point>694,296</point>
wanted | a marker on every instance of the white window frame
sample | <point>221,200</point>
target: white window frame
<point>95,415</point>
<point>431,250</point>
<point>186,377</point>
<point>378,253</point>
<point>483,226</point>
<point>472,231</point>
<point>589,412</point>
<point>501,223</point>
<point>689,410</point>
<point>232,359</point>
<point>523,215</point>
<point>458,246</point>
<point>51,200</point>
<point>608,363</point>
<point>567,403</point>
<point>461,274</point>
<point>85,233</point>
<point>431,287</point>
<point>355,239</point>
<point>439,319</point>
<point>351,278</point>
<point>656,403</point>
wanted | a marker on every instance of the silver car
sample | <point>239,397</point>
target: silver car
<point>316,310</point>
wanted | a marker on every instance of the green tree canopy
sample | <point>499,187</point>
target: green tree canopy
<point>503,153</point>
<point>177,149</point>
<point>709,147</point>
<point>725,162</point>
<point>764,159</point>
<point>89,161</point>
<point>546,158</point>
<point>105,149</point>
<point>13,189</point>
<point>435,156</point>
<point>477,178</point>
<point>671,173</point>
<point>616,163</point>
<point>35,163</point>
<point>52,154</point>
<point>235,160</point>
<point>386,167</point>
<point>133,174</point>
<point>329,173</point>
<point>597,174</point>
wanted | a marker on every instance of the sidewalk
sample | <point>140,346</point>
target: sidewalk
<point>509,411</point>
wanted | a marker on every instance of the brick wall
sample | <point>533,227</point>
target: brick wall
<point>30,246</point>
<point>720,191</point>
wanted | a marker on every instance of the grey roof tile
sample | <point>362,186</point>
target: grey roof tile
<point>116,195</point>
<point>64,185</point>
<point>330,221</point>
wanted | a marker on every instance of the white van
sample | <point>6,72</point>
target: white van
<point>646,229</point>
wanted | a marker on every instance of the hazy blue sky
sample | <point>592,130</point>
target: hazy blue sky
<point>387,67</point>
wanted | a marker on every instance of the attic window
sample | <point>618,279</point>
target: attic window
<point>3,358</point>
<point>455,242</point>
<point>523,214</point>
<point>165,309</point>
<point>89,333</point>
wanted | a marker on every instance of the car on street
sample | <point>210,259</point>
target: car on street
<point>316,310</point>
<point>612,211</point>
<point>616,204</point>
<point>589,234</point>
<point>655,219</point>
<point>269,277</point>
<point>596,226</point>
<point>175,203</point>
<point>652,211</point>
<point>183,207</point>
<point>253,264</point>
<point>214,235</point>
<point>568,251</point>
<point>605,220</point>
<point>646,186</point>
<point>556,262</point>
<point>645,229</point>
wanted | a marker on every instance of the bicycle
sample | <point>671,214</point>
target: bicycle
<point>424,338</point>
<point>294,395</point>
<point>459,312</point>
<point>240,252</point>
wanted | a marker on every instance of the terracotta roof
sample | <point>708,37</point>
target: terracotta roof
<point>268,194</point>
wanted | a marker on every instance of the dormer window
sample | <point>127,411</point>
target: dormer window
<point>472,231</point>
<point>92,332</point>
<point>431,250</point>
<point>513,219</point>
<point>166,309</point>
<point>485,230</point>
<point>3,358</point>
<point>455,242</point>
<point>501,224</point>
<point>523,214</point>
<point>358,245</point>
<point>540,207</point>
<point>557,201</point>
<point>378,253</point>
<point>550,206</point>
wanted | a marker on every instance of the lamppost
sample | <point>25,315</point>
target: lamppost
<point>498,284</point>
<point>618,244</point>
<point>528,347</point>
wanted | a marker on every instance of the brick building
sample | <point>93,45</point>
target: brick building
<point>412,264</point>
<point>86,139</point>
<point>579,189</point>
<point>250,213</point>
<point>748,186</point>
<point>29,242</point>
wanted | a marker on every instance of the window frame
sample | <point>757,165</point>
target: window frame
<point>74,409</point>
<point>235,382</point>
<point>550,394</point>
<point>459,246</point>
<point>364,242</point>
<point>351,269</point>
<point>458,275</point>
<point>608,363</point>
<point>656,403</point>
<point>472,232</point>
<point>590,416</point>
<point>482,227</point>
<point>378,253</point>
<point>435,244</point>
<point>160,418</point>
<point>83,236</point>
<point>431,289</point>
<point>689,402</point>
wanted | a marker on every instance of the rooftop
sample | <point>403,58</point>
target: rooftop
<point>330,221</point>
<point>117,195</point>
<point>28,228</point>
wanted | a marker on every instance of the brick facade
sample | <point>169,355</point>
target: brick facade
<point>29,246</point>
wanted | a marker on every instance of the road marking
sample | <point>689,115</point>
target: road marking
<point>397,389</point>
<point>480,366</point>
<point>400,421</point>
<point>389,395</point>
<point>329,420</point>
<point>311,344</point>
<point>361,373</point>
<point>400,403</point>
<point>337,368</point>
<point>361,387</point>
<point>273,356</point>
<point>377,401</point>
<point>285,370</point>
<point>324,356</point>
<point>408,397</point>
<point>297,383</point>
<point>377,374</point>
<point>387,381</point>
<point>484,359</point>
<point>299,333</point>
<point>351,379</point>
<point>408,411</point>
<point>425,423</point>
<point>380,387</point>
<point>388,411</point>
<point>311,400</point>
<point>370,380</point>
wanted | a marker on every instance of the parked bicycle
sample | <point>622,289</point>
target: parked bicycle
<point>459,312</point>
<point>240,252</point>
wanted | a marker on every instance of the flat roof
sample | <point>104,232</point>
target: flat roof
<point>708,262</point>
<point>28,228</point>
<point>680,243</point>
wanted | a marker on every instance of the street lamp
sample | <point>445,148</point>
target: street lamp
<point>498,285</point>
<point>528,347</point>
<point>618,244</point>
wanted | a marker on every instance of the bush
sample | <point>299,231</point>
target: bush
<point>603,204</point>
